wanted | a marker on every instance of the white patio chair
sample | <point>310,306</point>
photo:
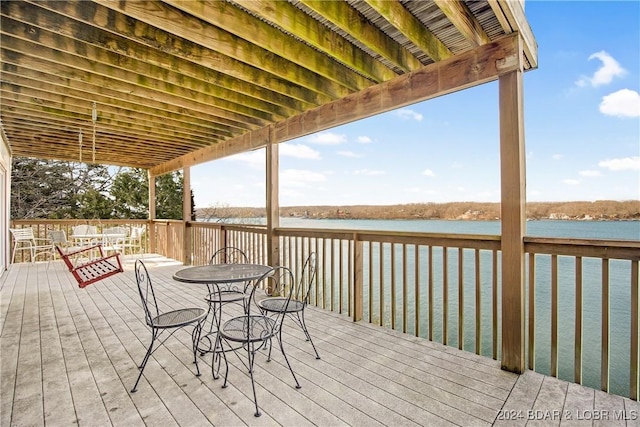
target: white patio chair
<point>114,238</point>
<point>134,241</point>
<point>59,239</point>
<point>85,235</point>
<point>25,240</point>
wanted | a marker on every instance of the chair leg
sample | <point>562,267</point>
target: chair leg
<point>144,362</point>
<point>251,355</point>
<point>286,359</point>
<point>306,332</point>
<point>195,337</point>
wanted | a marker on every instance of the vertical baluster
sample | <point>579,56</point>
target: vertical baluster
<point>333,275</point>
<point>604,362</point>
<point>460,298</point>
<point>350,267</point>
<point>478,303</point>
<point>430,290</point>
<point>324,273</point>
<point>381,283</point>
<point>635,333</point>
<point>532,311</point>
<point>554,315</point>
<point>445,295</point>
<point>577,360</point>
<point>340,274</point>
<point>370,270</point>
<point>393,286</point>
<point>404,288</point>
<point>416,292</point>
<point>494,305</point>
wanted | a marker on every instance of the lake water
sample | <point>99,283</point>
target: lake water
<point>620,290</point>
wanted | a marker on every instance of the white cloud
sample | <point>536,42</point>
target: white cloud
<point>428,172</point>
<point>364,140</point>
<point>604,75</point>
<point>348,154</point>
<point>299,151</point>
<point>626,163</point>
<point>408,114</point>
<point>300,178</point>
<point>557,156</point>
<point>590,173</point>
<point>328,138</point>
<point>368,172</point>
<point>623,103</point>
<point>571,181</point>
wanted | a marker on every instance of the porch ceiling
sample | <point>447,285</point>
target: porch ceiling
<point>176,83</point>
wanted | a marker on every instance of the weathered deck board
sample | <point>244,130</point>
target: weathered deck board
<point>70,355</point>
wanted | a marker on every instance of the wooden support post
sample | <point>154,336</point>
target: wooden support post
<point>187,254</point>
<point>273,204</point>
<point>152,214</point>
<point>513,197</point>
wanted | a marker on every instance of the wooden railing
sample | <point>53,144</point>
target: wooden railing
<point>41,229</point>
<point>447,288</point>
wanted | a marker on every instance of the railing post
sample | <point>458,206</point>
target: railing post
<point>187,256</point>
<point>512,171</point>
<point>152,213</point>
<point>273,204</point>
<point>358,270</point>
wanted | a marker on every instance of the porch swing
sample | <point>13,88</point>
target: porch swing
<point>97,268</point>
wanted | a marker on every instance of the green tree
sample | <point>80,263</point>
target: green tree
<point>40,189</point>
<point>130,192</point>
<point>57,189</point>
<point>169,196</point>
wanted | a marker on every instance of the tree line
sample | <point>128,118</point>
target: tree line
<point>55,189</point>
<point>579,210</point>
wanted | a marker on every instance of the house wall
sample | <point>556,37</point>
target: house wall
<point>5,198</point>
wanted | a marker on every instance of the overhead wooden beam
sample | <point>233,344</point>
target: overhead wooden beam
<point>394,12</point>
<point>352,22</point>
<point>163,82</point>
<point>65,78</point>
<point>226,87</point>
<point>228,71</point>
<point>190,28</point>
<point>295,21</point>
<point>481,65</point>
<point>238,22</point>
<point>462,18</point>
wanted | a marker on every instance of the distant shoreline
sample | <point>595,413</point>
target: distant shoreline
<point>602,210</point>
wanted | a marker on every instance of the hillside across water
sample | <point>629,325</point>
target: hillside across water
<point>603,210</point>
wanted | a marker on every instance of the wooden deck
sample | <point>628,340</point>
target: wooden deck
<point>69,355</point>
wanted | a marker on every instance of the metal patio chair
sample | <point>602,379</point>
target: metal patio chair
<point>222,294</point>
<point>160,322</point>
<point>251,332</point>
<point>295,308</point>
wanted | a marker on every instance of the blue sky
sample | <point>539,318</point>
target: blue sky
<point>582,131</point>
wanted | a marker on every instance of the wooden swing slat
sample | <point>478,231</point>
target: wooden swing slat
<point>97,269</point>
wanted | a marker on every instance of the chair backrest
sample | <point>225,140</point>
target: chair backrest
<point>115,230</point>
<point>281,282</point>
<point>307,279</point>
<point>229,255</point>
<point>136,232</point>
<point>147,295</point>
<point>84,229</point>
<point>58,237</point>
<point>22,234</point>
